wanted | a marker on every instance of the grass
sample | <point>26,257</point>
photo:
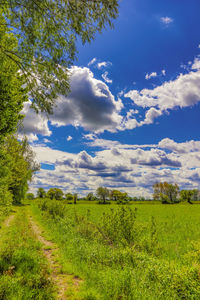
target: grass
<point>177,225</point>
<point>23,270</point>
<point>122,253</point>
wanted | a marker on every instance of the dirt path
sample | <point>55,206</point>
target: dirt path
<point>8,221</point>
<point>62,281</point>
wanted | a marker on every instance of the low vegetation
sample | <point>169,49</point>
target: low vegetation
<point>126,252</point>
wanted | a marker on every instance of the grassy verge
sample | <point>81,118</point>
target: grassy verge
<point>23,270</point>
<point>120,257</point>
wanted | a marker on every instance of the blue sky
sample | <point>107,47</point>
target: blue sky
<point>132,117</point>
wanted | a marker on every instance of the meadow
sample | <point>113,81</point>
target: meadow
<point>138,251</point>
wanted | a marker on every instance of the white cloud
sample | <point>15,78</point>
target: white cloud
<point>134,168</point>
<point>69,138</point>
<point>89,136</point>
<point>132,112</point>
<point>92,61</point>
<point>47,141</point>
<point>166,20</point>
<point>33,123</point>
<point>186,147</point>
<point>90,104</point>
<point>104,64</point>
<point>151,114</point>
<point>105,77</point>
<point>152,75</point>
<point>182,92</point>
<point>163,72</point>
<point>196,64</point>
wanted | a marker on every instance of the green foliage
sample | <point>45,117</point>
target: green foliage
<point>47,32</point>
<point>120,227</point>
<point>90,197</point>
<point>118,196</point>
<point>41,193</point>
<point>75,197</point>
<point>6,197</point>
<point>55,193</point>
<point>102,193</point>
<point>165,192</point>
<point>12,93</point>
<point>22,166</point>
<point>30,196</point>
<point>188,195</point>
<point>69,197</point>
<point>17,166</point>
<point>53,208</point>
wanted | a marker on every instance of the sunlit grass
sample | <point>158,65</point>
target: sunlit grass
<point>160,261</point>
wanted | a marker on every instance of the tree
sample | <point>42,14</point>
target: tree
<point>118,196</point>
<point>188,195</point>
<point>41,193</point>
<point>165,192</point>
<point>69,197</point>
<point>90,196</point>
<point>47,32</point>
<point>18,166</point>
<point>12,92</point>
<point>6,197</point>
<point>102,193</point>
<point>75,198</point>
<point>30,196</point>
<point>55,193</point>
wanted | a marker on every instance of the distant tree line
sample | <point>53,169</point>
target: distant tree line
<point>103,195</point>
<point>164,192</point>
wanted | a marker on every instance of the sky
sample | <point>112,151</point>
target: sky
<point>132,116</point>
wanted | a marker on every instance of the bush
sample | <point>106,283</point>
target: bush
<point>53,208</point>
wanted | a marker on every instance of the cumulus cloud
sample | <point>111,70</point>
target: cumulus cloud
<point>33,124</point>
<point>182,92</point>
<point>186,147</point>
<point>151,114</point>
<point>154,157</point>
<point>134,168</point>
<point>90,104</point>
<point>166,20</point>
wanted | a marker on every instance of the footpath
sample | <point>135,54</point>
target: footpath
<point>62,283</point>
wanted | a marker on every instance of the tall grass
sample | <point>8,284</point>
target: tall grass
<point>119,251</point>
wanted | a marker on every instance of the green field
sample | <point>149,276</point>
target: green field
<point>139,251</point>
<point>176,225</point>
